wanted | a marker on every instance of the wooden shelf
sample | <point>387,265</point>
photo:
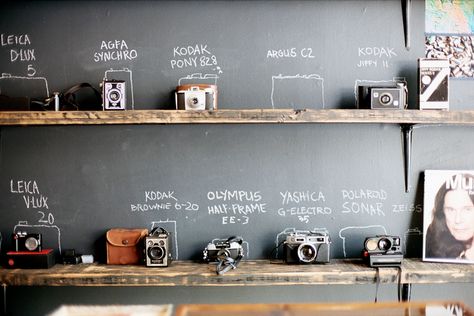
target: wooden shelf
<point>257,116</point>
<point>249,273</point>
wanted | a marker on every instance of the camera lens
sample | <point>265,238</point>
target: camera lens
<point>385,98</point>
<point>156,253</point>
<point>307,252</point>
<point>114,95</point>
<point>384,244</point>
<point>223,254</point>
<point>31,243</point>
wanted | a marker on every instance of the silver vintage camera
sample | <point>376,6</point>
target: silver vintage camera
<point>157,248</point>
<point>27,242</point>
<point>227,253</point>
<point>383,97</point>
<point>199,97</point>
<point>307,247</point>
<point>113,95</point>
<point>383,251</point>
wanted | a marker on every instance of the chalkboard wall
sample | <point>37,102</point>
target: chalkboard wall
<point>72,183</point>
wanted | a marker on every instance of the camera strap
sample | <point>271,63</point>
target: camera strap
<point>226,264</point>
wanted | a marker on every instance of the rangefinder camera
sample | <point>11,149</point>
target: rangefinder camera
<point>157,248</point>
<point>221,249</point>
<point>27,242</point>
<point>383,250</point>
<point>113,95</point>
<point>196,97</point>
<point>307,247</point>
<point>383,97</point>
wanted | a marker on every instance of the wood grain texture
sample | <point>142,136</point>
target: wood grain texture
<point>257,116</point>
<point>249,273</point>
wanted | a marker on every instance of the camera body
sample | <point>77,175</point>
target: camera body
<point>114,95</point>
<point>27,242</point>
<point>307,247</point>
<point>158,249</point>
<point>221,249</point>
<point>383,97</point>
<point>196,97</point>
<point>383,251</point>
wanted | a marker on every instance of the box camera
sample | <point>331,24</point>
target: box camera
<point>196,97</point>
<point>383,97</point>
<point>157,248</point>
<point>383,251</point>
<point>113,95</point>
<point>307,247</point>
<point>25,242</point>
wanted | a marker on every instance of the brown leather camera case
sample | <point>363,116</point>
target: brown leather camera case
<point>125,246</point>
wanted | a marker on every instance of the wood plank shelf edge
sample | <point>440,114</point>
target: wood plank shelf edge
<point>249,273</point>
<point>231,116</point>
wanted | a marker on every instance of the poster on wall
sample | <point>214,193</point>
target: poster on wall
<point>449,33</point>
<point>448,216</point>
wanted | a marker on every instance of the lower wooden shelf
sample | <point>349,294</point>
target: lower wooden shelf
<point>249,273</point>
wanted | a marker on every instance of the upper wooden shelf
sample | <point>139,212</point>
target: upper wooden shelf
<point>237,117</point>
<point>254,273</point>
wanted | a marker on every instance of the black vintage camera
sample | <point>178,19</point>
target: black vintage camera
<point>383,251</point>
<point>226,252</point>
<point>383,97</point>
<point>158,248</point>
<point>113,95</point>
<point>27,242</point>
<point>307,247</point>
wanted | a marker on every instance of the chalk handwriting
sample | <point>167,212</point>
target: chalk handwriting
<point>194,56</point>
<point>235,206</point>
<point>372,57</point>
<point>404,208</point>
<point>114,50</point>
<point>306,204</point>
<point>363,202</point>
<point>156,200</point>
<point>18,54</point>
<point>290,53</point>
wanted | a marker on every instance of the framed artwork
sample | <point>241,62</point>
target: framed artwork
<point>448,216</point>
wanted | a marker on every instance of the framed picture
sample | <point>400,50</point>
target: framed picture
<point>448,216</point>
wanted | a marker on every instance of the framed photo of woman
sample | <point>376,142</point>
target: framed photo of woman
<point>448,216</point>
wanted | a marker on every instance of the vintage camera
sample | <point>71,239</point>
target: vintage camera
<point>27,242</point>
<point>69,256</point>
<point>383,97</point>
<point>157,248</point>
<point>221,249</point>
<point>113,95</point>
<point>198,97</point>
<point>307,247</point>
<point>383,251</point>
